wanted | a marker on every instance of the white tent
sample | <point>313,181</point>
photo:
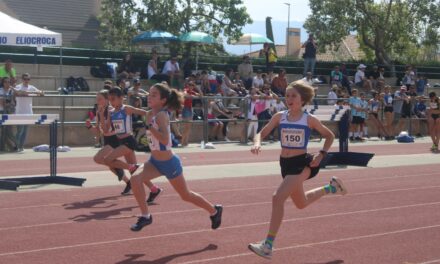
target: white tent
<point>17,33</point>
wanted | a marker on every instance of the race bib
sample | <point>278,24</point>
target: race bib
<point>292,137</point>
<point>119,126</point>
<point>150,139</point>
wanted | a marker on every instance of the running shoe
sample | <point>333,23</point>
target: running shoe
<point>141,223</point>
<point>339,185</point>
<point>216,220</point>
<point>154,195</point>
<point>261,249</point>
<point>434,147</point>
<point>119,172</point>
<point>134,169</point>
<point>127,188</point>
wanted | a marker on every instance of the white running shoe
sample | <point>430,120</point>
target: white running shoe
<point>339,185</point>
<point>261,249</point>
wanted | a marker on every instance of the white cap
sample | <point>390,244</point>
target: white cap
<point>362,66</point>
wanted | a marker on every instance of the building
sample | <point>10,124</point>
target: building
<point>76,20</point>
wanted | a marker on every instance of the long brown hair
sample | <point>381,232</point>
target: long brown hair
<point>174,99</point>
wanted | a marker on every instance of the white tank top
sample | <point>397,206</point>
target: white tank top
<point>294,135</point>
<point>154,143</point>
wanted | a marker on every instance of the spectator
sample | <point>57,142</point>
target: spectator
<point>308,79</point>
<point>388,111</point>
<point>123,84</point>
<point>246,71</point>
<point>263,108</point>
<point>153,71</point>
<point>345,81</point>
<point>380,80</point>
<point>421,83</point>
<point>336,77</point>
<point>228,88</point>
<point>205,87</point>
<point>24,92</point>
<point>332,95</point>
<point>172,69</point>
<point>252,119</point>
<point>309,55</point>
<point>360,80</point>
<point>127,69</point>
<point>409,78</point>
<point>136,92</point>
<point>407,112</point>
<point>213,121</point>
<point>363,114</point>
<point>8,70</point>
<point>7,106</point>
<point>190,90</point>
<point>399,98</point>
<point>222,113</point>
<point>279,83</point>
<point>271,58</point>
<point>374,76</point>
<point>373,115</point>
<point>356,115</point>
<point>258,80</point>
<point>420,112</point>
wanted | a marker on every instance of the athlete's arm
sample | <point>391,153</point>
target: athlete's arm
<point>162,134</point>
<point>129,110</point>
<point>273,123</point>
<point>326,133</point>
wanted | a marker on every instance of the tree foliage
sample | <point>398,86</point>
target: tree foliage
<point>127,17</point>
<point>392,29</point>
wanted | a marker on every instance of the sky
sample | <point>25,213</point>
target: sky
<point>260,9</point>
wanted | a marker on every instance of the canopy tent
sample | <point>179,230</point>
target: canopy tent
<point>14,32</point>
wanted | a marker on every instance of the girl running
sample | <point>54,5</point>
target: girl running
<point>163,161</point>
<point>434,120</point>
<point>120,121</point>
<point>296,164</point>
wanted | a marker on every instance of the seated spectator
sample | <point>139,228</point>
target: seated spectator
<point>172,69</point>
<point>308,79</point>
<point>8,70</point>
<point>258,80</point>
<point>216,132</point>
<point>245,71</point>
<point>361,80</point>
<point>136,92</point>
<point>332,96</point>
<point>279,83</point>
<point>221,112</point>
<point>127,69</point>
<point>205,87</point>
<point>336,77</point>
<point>228,88</point>
<point>153,70</point>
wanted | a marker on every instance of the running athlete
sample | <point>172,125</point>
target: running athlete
<point>163,161</point>
<point>120,121</point>
<point>110,139</point>
<point>296,164</point>
<point>434,120</point>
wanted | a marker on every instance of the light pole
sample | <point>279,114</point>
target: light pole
<point>288,26</point>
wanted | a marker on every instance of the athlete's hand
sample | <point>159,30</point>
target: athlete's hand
<point>316,161</point>
<point>88,123</point>
<point>256,149</point>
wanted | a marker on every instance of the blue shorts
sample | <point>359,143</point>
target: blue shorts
<point>171,168</point>
<point>187,113</point>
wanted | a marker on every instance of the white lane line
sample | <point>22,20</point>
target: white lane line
<point>307,184</point>
<point>430,261</point>
<point>196,210</point>
<point>401,231</point>
<point>209,230</point>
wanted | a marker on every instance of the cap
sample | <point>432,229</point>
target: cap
<point>362,66</point>
<point>136,81</point>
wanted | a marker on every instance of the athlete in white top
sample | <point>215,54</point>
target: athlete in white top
<point>163,161</point>
<point>296,165</point>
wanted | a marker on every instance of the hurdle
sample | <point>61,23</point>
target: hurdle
<point>341,115</point>
<point>47,119</point>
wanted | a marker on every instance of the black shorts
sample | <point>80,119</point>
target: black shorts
<point>357,120</point>
<point>388,108</point>
<point>112,141</point>
<point>435,116</point>
<point>129,142</point>
<point>295,165</point>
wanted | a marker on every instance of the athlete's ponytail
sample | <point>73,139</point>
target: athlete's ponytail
<point>174,99</point>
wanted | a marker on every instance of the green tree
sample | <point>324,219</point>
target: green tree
<point>116,23</point>
<point>392,29</point>
<point>124,18</point>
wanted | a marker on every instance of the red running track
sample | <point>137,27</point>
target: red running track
<point>80,164</point>
<point>390,216</point>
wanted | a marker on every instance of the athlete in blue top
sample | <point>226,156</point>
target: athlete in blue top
<point>163,161</point>
<point>296,164</point>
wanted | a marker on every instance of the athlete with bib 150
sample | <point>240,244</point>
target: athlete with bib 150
<point>296,164</point>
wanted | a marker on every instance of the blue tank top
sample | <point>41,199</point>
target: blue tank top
<point>294,135</point>
<point>121,122</point>
<point>153,142</point>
